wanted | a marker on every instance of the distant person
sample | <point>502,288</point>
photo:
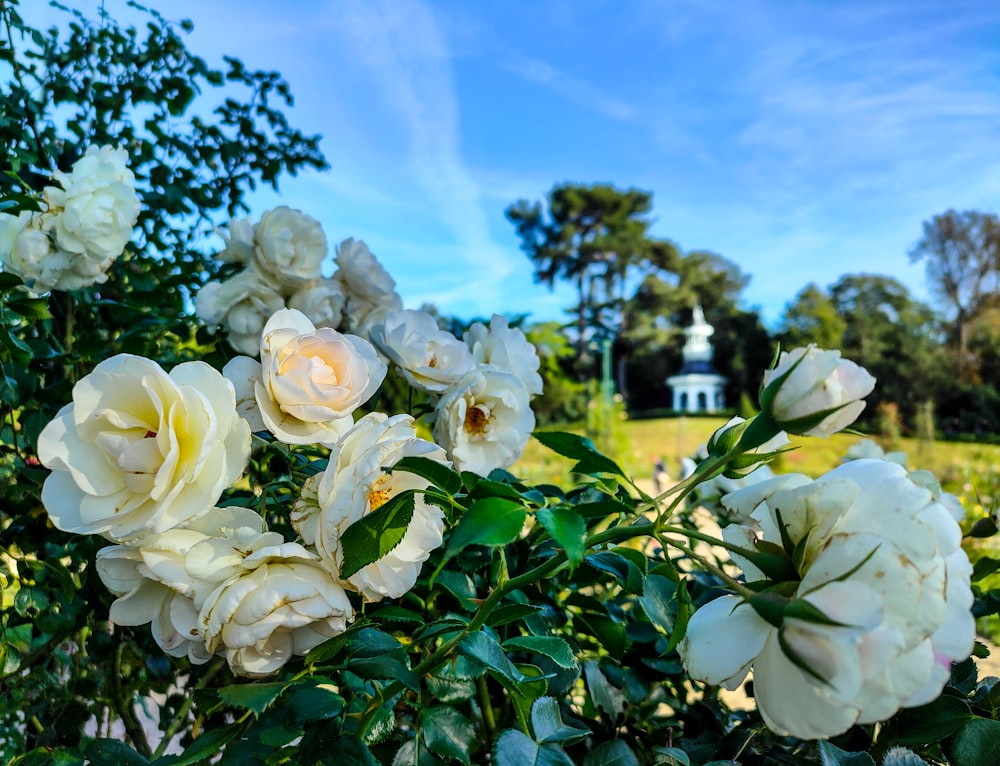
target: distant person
<point>660,475</point>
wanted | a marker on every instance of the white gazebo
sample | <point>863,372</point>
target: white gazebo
<point>698,387</point>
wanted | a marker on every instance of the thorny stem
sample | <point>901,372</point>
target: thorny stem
<point>178,720</point>
<point>124,706</point>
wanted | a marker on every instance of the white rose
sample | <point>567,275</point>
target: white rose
<point>243,305</point>
<point>239,242</point>
<point>322,301</point>
<point>363,276</point>
<point>96,206</point>
<point>138,450</point>
<point>360,316</point>
<point>429,358</point>
<point>309,381</point>
<point>354,484</point>
<point>809,382</point>
<point>26,250</point>
<point>484,420</point>
<point>290,246</point>
<point>283,604</point>
<point>903,601</point>
<point>142,600</point>
<point>506,348</point>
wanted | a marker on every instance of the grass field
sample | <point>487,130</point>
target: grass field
<point>639,443</point>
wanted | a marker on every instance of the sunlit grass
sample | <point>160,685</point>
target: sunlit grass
<point>642,442</point>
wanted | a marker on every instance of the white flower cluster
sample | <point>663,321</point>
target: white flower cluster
<point>882,599</point>
<point>282,257</point>
<point>485,382</point>
<point>141,457</point>
<point>87,222</point>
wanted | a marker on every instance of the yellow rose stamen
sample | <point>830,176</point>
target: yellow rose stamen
<point>379,495</point>
<point>476,420</point>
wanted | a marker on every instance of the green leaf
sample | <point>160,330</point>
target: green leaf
<point>626,564</point>
<point>984,567</point>
<point>674,756</point>
<point>315,703</point>
<point>447,732</point>
<point>659,601</point>
<point>553,647</point>
<point>484,650</point>
<point>605,696</point>
<point>567,528</point>
<point>372,642</point>
<point>30,308</point>
<point>516,749</point>
<point>209,743</point>
<point>112,752</point>
<point>931,722</point>
<point>900,756</point>
<point>612,753</point>
<point>975,744</point>
<point>49,756</point>
<point>413,753</point>
<point>374,535</point>
<point>589,460</point>
<point>547,723</point>
<point>253,696</point>
<point>449,687</point>
<point>509,613</point>
<point>438,474</point>
<point>459,585</point>
<point>831,755</point>
<point>387,666</point>
<point>491,521</point>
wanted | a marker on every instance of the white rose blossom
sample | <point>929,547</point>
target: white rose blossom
<point>138,450</point>
<point>26,250</point>
<point>242,304</point>
<point>282,603</point>
<point>143,600</point>
<point>355,483</point>
<point>95,206</point>
<point>484,420</point>
<point>239,242</point>
<point>429,358</point>
<point>289,247</point>
<point>309,381</point>
<point>369,292</point>
<point>321,300</point>
<point>810,381</point>
<point>506,348</point>
<point>901,603</point>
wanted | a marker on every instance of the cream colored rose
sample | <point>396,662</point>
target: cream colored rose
<point>875,552</point>
<point>95,206</point>
<point>429,358</point>
<point>139,450</point>
<point>239,242</point>
<point>362,275</point>
<point>26,250</point>
<point>282,604</point>
<point>484,420</point>
<point>507,348</point>
<point>809,382</point>
<point>355,483</point>
<point>289,247</point>
<point>322,301</point>
<point>241,304</point>
<point>142,600</point>
<point>309,381</point>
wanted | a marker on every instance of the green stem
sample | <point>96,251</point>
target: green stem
<point>489,719</point>
<point>126,710</point>
<point>178,720</point>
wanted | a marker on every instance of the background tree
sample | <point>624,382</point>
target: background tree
<point>962,256</point>
<point>595,237</point>
<point>812,318</point>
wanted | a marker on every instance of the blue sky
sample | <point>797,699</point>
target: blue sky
<point>802,140</point>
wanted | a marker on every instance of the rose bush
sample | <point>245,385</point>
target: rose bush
<point>319,562</point>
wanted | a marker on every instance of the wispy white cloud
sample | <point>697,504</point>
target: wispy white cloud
<point>572,88</point>
<point>403,48</point>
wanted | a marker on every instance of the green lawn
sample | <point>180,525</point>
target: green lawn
<point>640,442</point>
